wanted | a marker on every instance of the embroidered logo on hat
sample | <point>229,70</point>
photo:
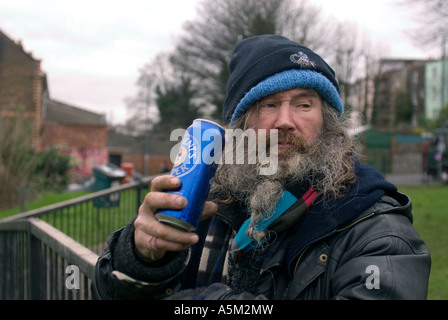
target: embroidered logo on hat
<point>302,60</point>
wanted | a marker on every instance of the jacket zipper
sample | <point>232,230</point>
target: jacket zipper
<point>355,222</point>
<point>298,259</point>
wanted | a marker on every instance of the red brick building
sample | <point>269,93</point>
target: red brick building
<point>74,131</point>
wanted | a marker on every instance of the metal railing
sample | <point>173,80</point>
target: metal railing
<point>50,253</point>
<point>40,262</point>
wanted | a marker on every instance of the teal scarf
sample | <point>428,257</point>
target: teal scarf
<point>288,209</point>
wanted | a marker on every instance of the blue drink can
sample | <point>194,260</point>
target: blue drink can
<point>195,165</point>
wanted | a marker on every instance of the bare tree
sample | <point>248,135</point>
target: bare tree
<point>432,16</point>
<point>370,63</point>
<point>205,47</point>
<point>346,56</point>
<point>165,99</point>
<point>144,112</point>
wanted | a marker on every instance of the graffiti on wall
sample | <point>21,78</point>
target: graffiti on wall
<point>84,159</point>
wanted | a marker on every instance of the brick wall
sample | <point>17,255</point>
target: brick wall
<point>86,144</point>
<point>73,135</point>
<point>20,84</point>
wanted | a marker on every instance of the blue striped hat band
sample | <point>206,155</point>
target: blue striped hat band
<point>290,79</point>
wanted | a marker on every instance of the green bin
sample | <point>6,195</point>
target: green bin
<point>107,176</point>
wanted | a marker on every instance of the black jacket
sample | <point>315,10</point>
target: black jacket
<point>360,247</point>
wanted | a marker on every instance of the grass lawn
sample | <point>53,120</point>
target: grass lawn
<point>46,200</point>
<point>85,222</point>
<point>430,210</point>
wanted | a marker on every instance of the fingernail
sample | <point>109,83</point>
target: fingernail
<point>180,201</point>
<point>174,181</point>
<point>194,238</point>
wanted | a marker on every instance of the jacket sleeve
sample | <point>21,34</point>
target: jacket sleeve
<point>120,274</point>
<point>391,262</point>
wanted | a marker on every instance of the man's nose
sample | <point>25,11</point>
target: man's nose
<point>284,119</point>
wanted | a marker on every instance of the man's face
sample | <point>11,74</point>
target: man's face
<point>311,151</point>
<point>294,113</point>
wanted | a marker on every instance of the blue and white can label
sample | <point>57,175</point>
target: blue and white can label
<point>195,166</point>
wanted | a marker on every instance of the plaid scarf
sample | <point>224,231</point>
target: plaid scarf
<point>226,244</point>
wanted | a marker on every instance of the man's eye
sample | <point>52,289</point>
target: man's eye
<point>268,105</point>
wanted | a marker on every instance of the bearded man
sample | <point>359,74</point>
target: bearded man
<point>323,226</point>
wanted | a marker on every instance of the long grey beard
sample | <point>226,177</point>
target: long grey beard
<point>317,165</point>
<point>261,193</point>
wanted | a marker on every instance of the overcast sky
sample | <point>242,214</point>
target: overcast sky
<point>91,50</point>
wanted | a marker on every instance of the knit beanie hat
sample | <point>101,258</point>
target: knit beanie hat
<point>264,65</point>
